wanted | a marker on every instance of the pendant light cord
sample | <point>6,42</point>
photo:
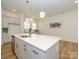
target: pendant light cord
<point>27,7</point>
<point>42,5</point>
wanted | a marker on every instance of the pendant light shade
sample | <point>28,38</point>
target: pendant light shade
<point>42,14</point>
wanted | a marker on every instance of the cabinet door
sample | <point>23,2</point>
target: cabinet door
<point>26,54</point>
<point>22,50</point>
<point>35,53</point>
<point>18,49</point>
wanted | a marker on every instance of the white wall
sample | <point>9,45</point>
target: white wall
<point>69,21</point>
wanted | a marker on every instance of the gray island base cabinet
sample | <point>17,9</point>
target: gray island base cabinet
<point>23,50</point>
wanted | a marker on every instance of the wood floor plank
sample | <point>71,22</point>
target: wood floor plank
<point>6,52</point>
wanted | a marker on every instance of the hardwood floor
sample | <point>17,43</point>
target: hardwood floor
<point>6,52</point>
<point>67,50</point>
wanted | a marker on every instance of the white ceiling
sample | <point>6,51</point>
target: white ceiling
<point>51,7</point>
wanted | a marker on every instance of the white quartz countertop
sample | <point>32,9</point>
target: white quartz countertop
<point>42,42</point>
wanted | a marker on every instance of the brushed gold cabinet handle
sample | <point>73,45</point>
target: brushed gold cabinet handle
<point>25,49</point>
<point>35,52</point>
<point>25,45</point>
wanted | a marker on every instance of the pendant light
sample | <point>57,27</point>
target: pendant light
<point>27,8</point>
<point>76,1</point>
<point>27,24</point>
<point>42,13</point>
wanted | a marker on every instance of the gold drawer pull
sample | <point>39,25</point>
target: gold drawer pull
<point>25,45</point>
<point>35,52</point>
<point>25,49</point>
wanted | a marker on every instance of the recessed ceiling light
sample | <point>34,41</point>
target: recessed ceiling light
<point>75,1</point>
<point>13,10</point>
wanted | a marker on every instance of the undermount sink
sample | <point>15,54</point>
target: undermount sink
<point>24,36</point>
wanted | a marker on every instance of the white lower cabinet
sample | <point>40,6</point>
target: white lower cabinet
<point>35,53</point>
<point>18,49</point>
<point>30,52</point>
<point>21,49</point>
<point>25,51</point>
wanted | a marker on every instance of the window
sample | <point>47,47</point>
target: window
<point>30,24</point>
<point>34,26</point>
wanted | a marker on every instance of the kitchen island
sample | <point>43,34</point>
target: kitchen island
<point>36,46</point>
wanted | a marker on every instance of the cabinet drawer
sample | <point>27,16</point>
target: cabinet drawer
<point>35,53</point>
<point>35,50</point>
<point>19,41</point>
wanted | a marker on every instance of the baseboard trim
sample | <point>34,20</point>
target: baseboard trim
<point>70,41</point>
<point>6,43</point>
